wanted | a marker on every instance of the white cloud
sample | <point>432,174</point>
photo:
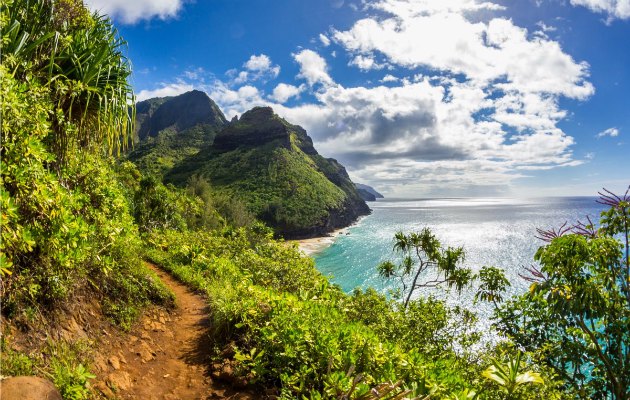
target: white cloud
<point>130,12</point>
<point>407,8</point>
<point>166,89</point>
<point>546,28</point>
<point>257,67</point>
<point>284,92</point>
<point>262,66</point>
<point>261,63</point>
<point>365,63</point>
<point>612,8</point>
<point>486,52</point>
<point>324,39</point>
<point>612,132</point>
<point>195,73</point>
<point>313,67</point>
<point>389,78</point>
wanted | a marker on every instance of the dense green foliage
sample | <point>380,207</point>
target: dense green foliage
<point>158,155</point>
<point>576,316</point>
<point>279,185</point>
<point>79,58</point>
<point>66,227</point>
<point>171,129</point>
<point>74,221</point>
<point>62,230</point>
<point>280,323</point>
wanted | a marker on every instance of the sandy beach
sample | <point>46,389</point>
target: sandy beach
<point>314,245</point>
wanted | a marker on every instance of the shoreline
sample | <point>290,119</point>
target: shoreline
<point>314,245</point>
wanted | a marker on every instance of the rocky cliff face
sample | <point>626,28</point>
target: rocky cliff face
<point>256,127</point>
<point>367,193</point>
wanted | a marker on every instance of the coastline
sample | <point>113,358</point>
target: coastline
<point>312,246</point>
<point>315,245</point>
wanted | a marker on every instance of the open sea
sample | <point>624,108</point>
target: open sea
<point>493,231</point>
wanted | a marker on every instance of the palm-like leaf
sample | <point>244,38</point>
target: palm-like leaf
<point>81,59</point>
<point>507,375</point>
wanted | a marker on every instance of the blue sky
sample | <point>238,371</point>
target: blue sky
<point>416,97</point>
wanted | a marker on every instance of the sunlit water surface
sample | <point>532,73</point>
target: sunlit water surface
<point>493,231</point>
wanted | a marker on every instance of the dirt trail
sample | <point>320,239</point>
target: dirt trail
<point>166,356</point>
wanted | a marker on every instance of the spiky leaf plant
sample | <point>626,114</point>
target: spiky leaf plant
<point>80,58</point>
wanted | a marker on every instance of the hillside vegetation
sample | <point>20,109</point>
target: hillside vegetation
<point>77,223</point>
<point>260,159</point>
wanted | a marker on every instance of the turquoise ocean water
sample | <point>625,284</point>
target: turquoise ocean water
<point>494,231</point>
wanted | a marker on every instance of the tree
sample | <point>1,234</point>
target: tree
<point>429,255</point>
<point>493,284</point>
<point>79,57</point>
<point>576,315</point>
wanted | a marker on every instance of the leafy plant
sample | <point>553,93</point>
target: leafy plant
<point>492,285</point>
<point>288,327</point>
<point>428,253</point>
<point>510,378</point>
<point>79,58</point>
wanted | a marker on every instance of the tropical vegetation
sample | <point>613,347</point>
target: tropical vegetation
<point>79,221</point>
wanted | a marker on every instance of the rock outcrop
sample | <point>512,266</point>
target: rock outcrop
<point>179,112</point>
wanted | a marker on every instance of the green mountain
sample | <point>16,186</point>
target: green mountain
<point>272,166</point>
<point>169,129</point>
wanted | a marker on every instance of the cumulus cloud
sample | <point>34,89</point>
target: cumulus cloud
<point>284,92</point>
<point>612,132</point>
<point>365,63</point>
<point>483,105</point>
<point>486,52</point>
<point>257,67</point>
<point>130,12</point>
<point>313,67</point>
<point>165,89</point>
<point>389,78</point>
<point>614,9</point>
<point>262,64</point>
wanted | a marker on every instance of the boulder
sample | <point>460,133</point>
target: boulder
<point>28,388</point>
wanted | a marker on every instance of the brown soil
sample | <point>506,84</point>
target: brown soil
<point>166,355</point>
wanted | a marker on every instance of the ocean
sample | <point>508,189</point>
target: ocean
<point>496,232</point>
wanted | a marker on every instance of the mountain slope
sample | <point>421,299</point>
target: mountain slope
<point>170,129</point>
<point>273,167</point>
